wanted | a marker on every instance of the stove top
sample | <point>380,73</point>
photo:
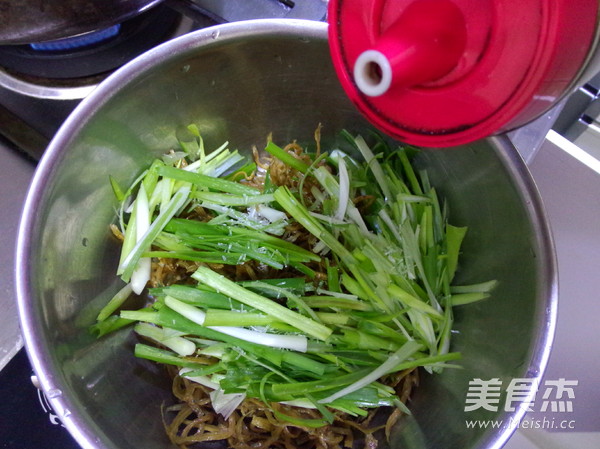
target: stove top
<point>27,419</point>
<point>41,83</point>
<point>81,60</point>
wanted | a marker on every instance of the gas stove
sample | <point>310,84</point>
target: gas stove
<point>41,85</point>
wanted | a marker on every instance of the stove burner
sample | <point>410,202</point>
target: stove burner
<point>83,40</point>
<point>63,60</point>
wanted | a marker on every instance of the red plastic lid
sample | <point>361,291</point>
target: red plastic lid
<point>446,72</point>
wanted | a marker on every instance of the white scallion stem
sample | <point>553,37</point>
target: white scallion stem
<point>294,342</point>
<point>175,203</point>
<point>141,274</point>
<point>269,213</point>
<point>190,312</point>
<point>225,403</point>
<point>344,193</point>
<point>167,337</point>
<point>202,380</point>
<point>303,403</point>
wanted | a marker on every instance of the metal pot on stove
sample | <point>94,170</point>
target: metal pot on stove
<point>24,22</point>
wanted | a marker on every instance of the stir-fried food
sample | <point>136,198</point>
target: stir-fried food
<point>294,294</point>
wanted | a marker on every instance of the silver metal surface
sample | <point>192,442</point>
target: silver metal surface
<point>58,90</point>
<point>15,175</point>
<point>239,82</point>
<point>528,139</point>
<point>228,11</point>
<point>27,21</point>
<point>569,181</point>
<point>15,84</point>
<point>573,205</point>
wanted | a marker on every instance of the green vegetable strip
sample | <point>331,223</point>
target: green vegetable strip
<point>276,242</point>
<point>211,369</point>
<point>454,238</point>
<point>197,297</point>
<point>303,362</point>
<point>296,286</point>
<point>190,312</point>
<point>461,299</point>
<point>333,278</point>
<point>222,185</point>
<point>335,303</point>
<point>119,194</point>
<point>146,315</point>
<point>110,324</point>
<point>386,367</point>
<point>287,158</point>
<point>300,389</point>
<point>151,179</point>
<point>226,199</point>
<point>301,422</point>
<point>446,329</point>
<point>338,319</point>
<point>482,287</point>
<point>162,356</point>
<point>243,219</point>
<point>192,227</point>
<point>241,319</point>
<point>167,337</point>
<point>115,302</point>
<point>311,274</point>
<point>176,203</point>
<point>283,341</point>
<point>203,231</point>
<point>373,163</point>
<point>410,173</point>
<point>223,285</point>
<point>362,340</point>
<point>129,238</point>
<point>409,301</point>
<point>426,361</point>
<point>286,200</point>
<point>201,256</point>
<point>380,329</point>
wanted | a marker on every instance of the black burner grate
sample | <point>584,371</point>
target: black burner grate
<point>134,37</point>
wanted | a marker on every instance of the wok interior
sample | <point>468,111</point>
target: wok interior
<point>240,87</point>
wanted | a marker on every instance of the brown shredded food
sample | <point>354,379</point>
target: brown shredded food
<point>253,425</point>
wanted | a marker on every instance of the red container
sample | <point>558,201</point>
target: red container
<point>441,73</point>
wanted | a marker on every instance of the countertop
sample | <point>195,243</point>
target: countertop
<point>15,174</point>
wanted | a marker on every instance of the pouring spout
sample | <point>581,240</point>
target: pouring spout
<point>424,44</point>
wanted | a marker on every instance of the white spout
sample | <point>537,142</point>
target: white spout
<point>373,73</point>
